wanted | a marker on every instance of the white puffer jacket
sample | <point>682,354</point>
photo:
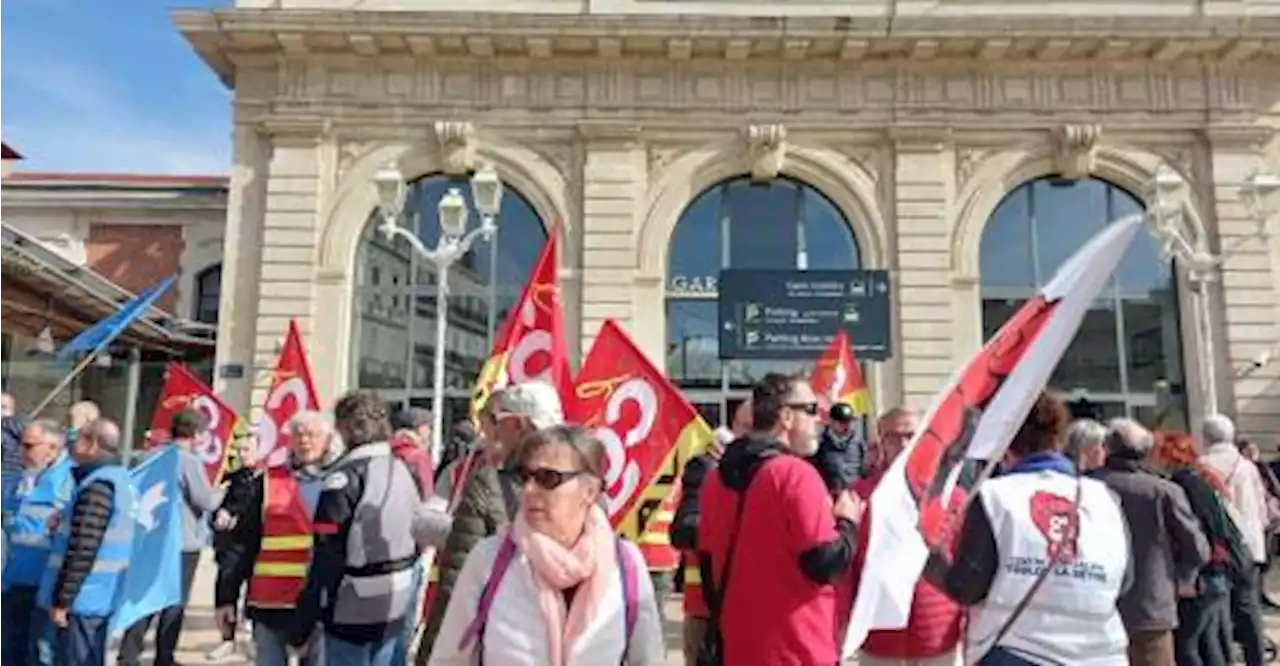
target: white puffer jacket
<point>516,632</point>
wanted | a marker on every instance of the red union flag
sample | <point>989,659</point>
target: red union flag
<point>642,419</point>
<point>974,418</point>
<point>293,391</point>
<point>838,377</point>
<point>530,345</point>
<point>183,390</point>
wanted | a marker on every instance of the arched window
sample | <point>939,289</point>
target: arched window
<point>1127,357</point>
<point>779,224</point>
<point>208,290</point>
<point>390,277</point>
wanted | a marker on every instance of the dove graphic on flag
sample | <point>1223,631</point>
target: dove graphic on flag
<point>974,418</point>
<point>153,580</point>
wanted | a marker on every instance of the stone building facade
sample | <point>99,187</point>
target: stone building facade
<point>914,119</point>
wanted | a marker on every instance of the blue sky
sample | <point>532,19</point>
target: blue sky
<point>109,86</point>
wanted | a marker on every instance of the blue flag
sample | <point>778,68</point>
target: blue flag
<point>102,333</point>
<point>153,580</point>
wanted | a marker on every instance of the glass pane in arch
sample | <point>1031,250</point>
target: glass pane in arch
<point>1129,343</point>
<point>767,225</point>
<point>390,277</point>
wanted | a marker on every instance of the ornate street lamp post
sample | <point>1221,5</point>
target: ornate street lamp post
<point>1201,265</point>
<point>454,243</point>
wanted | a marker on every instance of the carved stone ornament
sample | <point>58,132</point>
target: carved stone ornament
<point>457,141</point>
<point>967,161</point>
<point>767,150</point>
<point>1073,150</point>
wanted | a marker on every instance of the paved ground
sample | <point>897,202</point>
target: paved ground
<point>200,636</point>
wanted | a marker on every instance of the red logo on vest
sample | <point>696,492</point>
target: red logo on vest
<point>1055,517</point>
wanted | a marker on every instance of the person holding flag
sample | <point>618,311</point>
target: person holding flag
<point>91,549</point>
<point>268,549</point>
<point>200,498</point>
<point>45,489</point>
<point>1041,558</point>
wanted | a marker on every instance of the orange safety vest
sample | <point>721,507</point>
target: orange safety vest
<point>285,552</point>
<point>694,604</point>
<point>655,540</point>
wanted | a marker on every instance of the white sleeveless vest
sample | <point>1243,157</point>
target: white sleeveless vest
<point>1072,619</point>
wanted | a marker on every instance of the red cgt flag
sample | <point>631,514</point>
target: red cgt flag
<point>293,391</point>
<point>530,345</point>
<point>184,390</point>
<point>838,377</point>
<point>640,416</point>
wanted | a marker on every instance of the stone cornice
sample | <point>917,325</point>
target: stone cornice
<point>222,37</point>
<point>299,96</point>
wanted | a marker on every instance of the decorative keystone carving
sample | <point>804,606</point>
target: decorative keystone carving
<point>1073,150</point>
<point>457,146</point>
<point>767,150</point>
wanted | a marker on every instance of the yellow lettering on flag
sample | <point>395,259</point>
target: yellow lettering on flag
<point>694,439</point>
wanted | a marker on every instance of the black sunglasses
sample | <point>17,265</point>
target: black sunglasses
<point>810,408</point>
<point>547,478</point>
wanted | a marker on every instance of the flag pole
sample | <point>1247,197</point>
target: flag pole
<point>66,381</point>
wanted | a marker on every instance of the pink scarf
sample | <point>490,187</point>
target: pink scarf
<point>590,565</point>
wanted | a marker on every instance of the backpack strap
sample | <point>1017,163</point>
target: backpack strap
<point>474,632</point>
<point>630,593</point>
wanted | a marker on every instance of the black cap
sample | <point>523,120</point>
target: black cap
<point>841,413</point>
<point>411,418</point>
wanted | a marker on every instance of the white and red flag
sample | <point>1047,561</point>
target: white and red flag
<point>838,378</point>
<point>973,418</point>
<point>293,391</point>
<point>530,346</point>
<point>184,390</point>
<point>644,421</point>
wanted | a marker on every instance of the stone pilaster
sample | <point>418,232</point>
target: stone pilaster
<point>1246,316</point>
<point>290,244</point>
<point>927,321</point>
<point>614,174</point>
<point>241,258</point>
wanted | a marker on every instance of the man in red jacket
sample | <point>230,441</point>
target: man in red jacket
<point>934,627</point>
<point>770,542</point>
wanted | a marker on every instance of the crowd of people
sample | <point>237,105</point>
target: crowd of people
<point>1091,544</point>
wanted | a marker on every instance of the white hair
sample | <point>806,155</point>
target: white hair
<point>1083,434</point>
<point>306,418</point>
<point>537,401</point>
<point>1217,429</point>
<point>1129,439</point>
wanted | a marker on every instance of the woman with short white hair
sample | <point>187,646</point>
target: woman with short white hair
<point>558,586</point>
<point>1085,444</point>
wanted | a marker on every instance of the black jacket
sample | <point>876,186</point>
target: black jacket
<point>90,517</point>
<point>684,527</point>
<point>237,551</point>
<point>840,460</point>
<point>244,493</point>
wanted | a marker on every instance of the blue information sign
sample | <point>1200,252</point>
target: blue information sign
<point>791,314</point>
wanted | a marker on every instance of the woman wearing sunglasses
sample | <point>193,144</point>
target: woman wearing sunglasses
<point>558,587</point>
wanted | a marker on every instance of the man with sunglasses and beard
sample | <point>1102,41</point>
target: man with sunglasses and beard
<point>770,541</point>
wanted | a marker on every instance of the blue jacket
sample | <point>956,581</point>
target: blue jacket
<point>28,534</point>
<point>99,593</point>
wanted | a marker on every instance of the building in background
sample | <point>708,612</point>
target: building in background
<point>75,248</point>
<point>966,149</point>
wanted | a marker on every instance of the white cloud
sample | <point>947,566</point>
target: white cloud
<point>72,118</point>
